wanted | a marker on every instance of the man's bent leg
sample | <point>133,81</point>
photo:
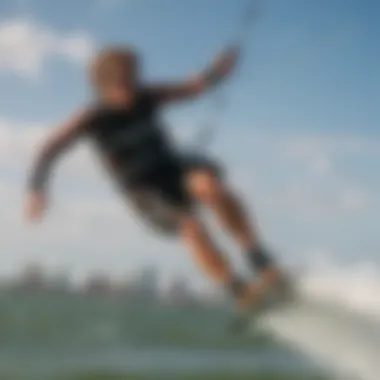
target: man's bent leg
<point>208,189</point>
<point>206,254</point>
<point>163,202</point>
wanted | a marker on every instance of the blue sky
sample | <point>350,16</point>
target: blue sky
<point>300,133</point>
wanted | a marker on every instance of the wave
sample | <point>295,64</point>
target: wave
<point>61,322</point>
<point>335,318</point>
<point>354,287</point>
<point>193,376</point>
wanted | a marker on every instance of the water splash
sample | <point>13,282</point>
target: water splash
<point>335,319</point>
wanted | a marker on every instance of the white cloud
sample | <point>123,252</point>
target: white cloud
<point>19,145</point>
<point>89,230</point>
<point>84,234</point>
<point>26,46</point>
<point>355,200</point>
<point>306,176</point>
<point>322,203</point>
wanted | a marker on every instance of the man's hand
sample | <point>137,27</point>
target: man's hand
<point>225,62</point>
<point>57,142</point>
<point>35,206</point>
<point>221,67</point>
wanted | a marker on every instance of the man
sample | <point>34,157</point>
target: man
<point>163,185</point>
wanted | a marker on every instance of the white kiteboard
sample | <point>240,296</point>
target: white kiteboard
<point>273,300</point>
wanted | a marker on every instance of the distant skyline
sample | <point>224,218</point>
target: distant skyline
<point>300,135</point>
<point>146,284</point>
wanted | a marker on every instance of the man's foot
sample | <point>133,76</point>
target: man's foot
<point>271,283</point>
<point>277,288</point>
<point>270,290</point>
<point>270,277</point>
<point>248,299</point>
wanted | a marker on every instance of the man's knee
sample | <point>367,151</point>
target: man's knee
<point>190,228</point>
<point>205,186</point>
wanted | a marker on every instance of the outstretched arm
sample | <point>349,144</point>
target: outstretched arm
<point>219,70</point>
<point>55,144</point>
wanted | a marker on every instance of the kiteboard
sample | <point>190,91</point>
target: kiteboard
<point>270,300</point>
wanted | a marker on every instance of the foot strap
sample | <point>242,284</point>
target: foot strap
<point>236,286</point>
<point>259,259</point>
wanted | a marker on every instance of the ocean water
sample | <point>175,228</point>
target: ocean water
<point>331,331</point>
<point>71,337</point>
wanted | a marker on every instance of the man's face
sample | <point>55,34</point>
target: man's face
<point>123,82</point>
<point>125,75</point>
